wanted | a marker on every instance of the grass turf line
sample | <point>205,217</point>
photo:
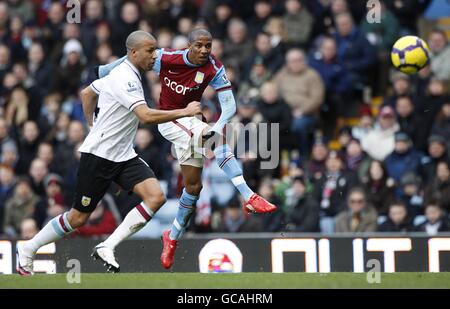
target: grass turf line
<point>230,281</point>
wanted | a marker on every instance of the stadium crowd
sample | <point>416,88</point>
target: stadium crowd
<point>309,65</point>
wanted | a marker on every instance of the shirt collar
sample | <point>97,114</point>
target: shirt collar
<point>135,70</point>
<point>186,60</point>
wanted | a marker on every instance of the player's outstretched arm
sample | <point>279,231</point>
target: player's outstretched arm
<point>228,107</point>
<point>155,116</point>
<point>104,70</point>
<point>89,102</point>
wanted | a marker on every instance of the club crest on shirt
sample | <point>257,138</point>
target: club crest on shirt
<point>132,86</point>
<point>85,201</point>
<point>199,77</point>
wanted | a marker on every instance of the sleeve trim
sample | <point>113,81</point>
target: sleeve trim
<point>95,89</point>
<point>136,104</point>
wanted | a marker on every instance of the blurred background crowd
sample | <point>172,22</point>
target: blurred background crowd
<point>362,148</point>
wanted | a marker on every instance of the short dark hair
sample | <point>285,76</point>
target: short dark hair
<point>196,33</point>
<point>397,203</point>
<point>357,189</point>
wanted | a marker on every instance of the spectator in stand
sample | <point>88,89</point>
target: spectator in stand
<point>398,220</point>
<point>441,125</point>
<point>17,109</point>
<point>40,69</point>
<point>359,216</point>
<point>52,204</point>
<point>28,145</point>
<point>354,51</point>
<point>379,187</point>
<point>247,113</point>
<point>126,23</point>
<point>20,206</point>
<point>68,75</point>
<point>407,13</point>
<point>316,166</point>
<point>379,142</point>
<point>272,58</point>
<point>407,118</point>
<point>38,171</point>
<point>275,110</point>
<point>5,63</point>
<point>45,153</point>
<point>331,190</point>
<point>273,222</point>
<point>439,187</point>
<point>234,220</point>
<point>411,193</point>
<point>365,125</point>
<point>437,152</point>
<point>101,221</point>
<point>337,80</point>
<point>65,151</point>
<point>303,210</point>
<point>218,21</point>
<point>428,108</point>
<point>49,112</point>
<point>344,137</point>
<point>250,89</point>
<point>404,159</point>
<point>94,15</point>
<point>262,12</point>
<point>298,22</point>
<point>382,35</point>
<point>53,28</point>
<point>356,160</point>
<point>28,228</point>
<point>148,150</point>
<point>440,53</point>
<point>302,88</point>
<point>7,184</point>
<point>237,47</point>
<point>24,9</point>
<point>435,220</point>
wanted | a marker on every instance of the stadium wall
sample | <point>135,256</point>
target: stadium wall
<point>253,253</point>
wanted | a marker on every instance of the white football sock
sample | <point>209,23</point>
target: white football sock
<point>54,230</point>
<point>135,220</point>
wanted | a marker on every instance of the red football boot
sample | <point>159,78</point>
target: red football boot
<point>168,252</point>
<point>257,204</point>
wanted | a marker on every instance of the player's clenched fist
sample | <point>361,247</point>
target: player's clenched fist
<point>193,108</point>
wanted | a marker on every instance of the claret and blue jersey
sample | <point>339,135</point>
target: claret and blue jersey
<point>183,82</point>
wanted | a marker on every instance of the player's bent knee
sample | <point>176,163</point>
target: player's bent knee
<point>156,200</point>
<point>194,189</point>
<point>77,219</point>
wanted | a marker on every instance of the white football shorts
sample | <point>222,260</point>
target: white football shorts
<point>186,136</point>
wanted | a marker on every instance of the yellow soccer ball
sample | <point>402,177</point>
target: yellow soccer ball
<point>410,54</point>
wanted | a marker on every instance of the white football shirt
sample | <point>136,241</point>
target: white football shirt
<point>115,124</point>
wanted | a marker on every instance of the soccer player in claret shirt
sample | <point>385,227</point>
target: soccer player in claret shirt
<point>184,75</point>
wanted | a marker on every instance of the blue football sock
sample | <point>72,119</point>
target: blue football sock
<point>228,163</point>
<point>185,212</point>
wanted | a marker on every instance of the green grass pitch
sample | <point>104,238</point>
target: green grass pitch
<point>230,281</point>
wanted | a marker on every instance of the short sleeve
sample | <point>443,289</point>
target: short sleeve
<point>130,93</point>
<point>96,86</point>
<point>220,80</point>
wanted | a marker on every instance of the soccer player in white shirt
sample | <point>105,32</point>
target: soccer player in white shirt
<point>107,153</point>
